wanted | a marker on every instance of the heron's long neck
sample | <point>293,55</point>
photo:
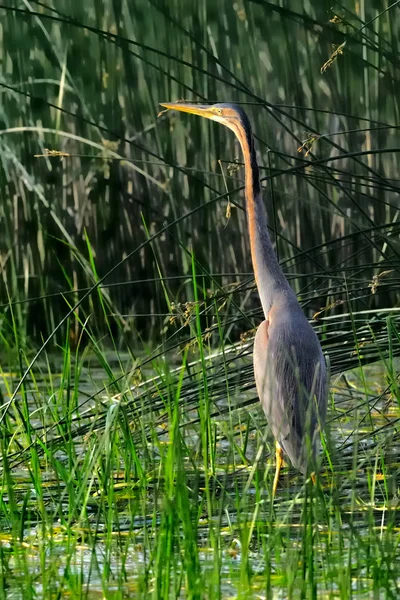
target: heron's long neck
<point>269,275</point>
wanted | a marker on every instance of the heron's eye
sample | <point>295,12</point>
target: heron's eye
<point>219,111</point>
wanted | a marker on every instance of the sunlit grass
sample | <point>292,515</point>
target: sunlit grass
<point>135,458</point>
<point>146,492</point>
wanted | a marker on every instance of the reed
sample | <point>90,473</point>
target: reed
<point>135,459</point>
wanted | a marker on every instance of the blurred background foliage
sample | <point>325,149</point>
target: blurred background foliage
<point>90,174</point>
<point>134,452</point>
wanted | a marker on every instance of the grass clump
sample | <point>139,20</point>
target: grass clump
<point>135,459</point>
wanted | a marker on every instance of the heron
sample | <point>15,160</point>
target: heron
<point>289,366</point>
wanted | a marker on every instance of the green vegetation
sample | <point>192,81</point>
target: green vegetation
<point>135,458</point>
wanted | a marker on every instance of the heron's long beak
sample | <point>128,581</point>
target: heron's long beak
<point>203,110</point>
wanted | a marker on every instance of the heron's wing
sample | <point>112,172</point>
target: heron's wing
<point>301,396</point>
<point>291,383</point>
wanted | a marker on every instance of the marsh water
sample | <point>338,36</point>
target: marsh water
<point>101,529</point>
<point>132,470</point>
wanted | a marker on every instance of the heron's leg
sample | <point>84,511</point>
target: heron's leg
<point>313,478</point>
<point>279,462</point>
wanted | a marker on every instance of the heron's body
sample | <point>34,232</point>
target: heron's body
<point>290,376</point>
<point>289,366</point>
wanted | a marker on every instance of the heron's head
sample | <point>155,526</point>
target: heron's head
<point>230,115</point>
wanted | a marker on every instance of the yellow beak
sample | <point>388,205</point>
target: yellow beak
<point>203,110</point>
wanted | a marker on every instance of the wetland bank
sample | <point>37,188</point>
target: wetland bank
<point>135,458</point>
